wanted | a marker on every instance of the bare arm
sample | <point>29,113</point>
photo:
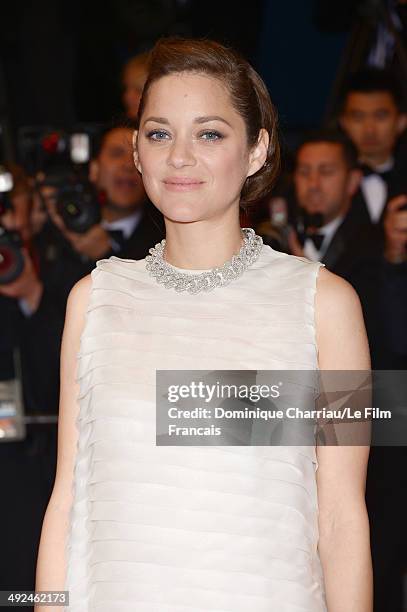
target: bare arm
<point>344,543</point>
<point>51,563</point>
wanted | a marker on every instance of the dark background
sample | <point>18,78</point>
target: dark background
<point>61,60</point>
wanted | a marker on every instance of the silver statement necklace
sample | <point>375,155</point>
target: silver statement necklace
<point>220,276</point>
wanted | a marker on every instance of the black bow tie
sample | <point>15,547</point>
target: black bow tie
<point>317,239</point>
<point>368,171</point>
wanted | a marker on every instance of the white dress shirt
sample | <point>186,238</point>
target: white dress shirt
<point>374,189</point>
<point>127,225</point>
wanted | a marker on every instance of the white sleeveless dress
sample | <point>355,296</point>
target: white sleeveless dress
<point>190,529</point>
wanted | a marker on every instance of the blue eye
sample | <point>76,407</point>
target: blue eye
<point>157,135</point>
<point>211,135</point>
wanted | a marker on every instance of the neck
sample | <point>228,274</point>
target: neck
<point>373,161</point>
<point>202,245</point>
<point>338,213</point>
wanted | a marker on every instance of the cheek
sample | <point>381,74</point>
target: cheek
<point>389,130</point>
<point>152,169</point>
<point>301,186</point>
<point>149,161</point>
<point>356,129</point>
<point>334,188</point>
<point>227,167</point>
<point>104,176</point>
<point>150,175</point>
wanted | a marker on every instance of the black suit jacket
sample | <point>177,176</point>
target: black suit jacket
<point>149,231</point>
<point>356,254</point>
<point>393,306</point>
<point>352,244</point>
<point>396,185</point>
<point>62,267</point>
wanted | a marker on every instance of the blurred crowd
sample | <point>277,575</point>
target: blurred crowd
<point>341,199</point>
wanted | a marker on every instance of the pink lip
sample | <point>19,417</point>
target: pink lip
<point>182,184</point>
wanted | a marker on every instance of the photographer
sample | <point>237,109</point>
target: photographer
<point>128,225</point>
<point>36,317</point>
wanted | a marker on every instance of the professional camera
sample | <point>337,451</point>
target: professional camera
<point>11,257</point>
<point>77,201</point>
<point>61,159</point>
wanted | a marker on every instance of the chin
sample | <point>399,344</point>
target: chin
<point>314,210</point>
<point>369,149</point>
<point>181,210</point>
<point>180,215</point>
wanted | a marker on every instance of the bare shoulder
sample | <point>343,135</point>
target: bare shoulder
<point>334,293</point>
<point>69,390</point>
<point>76,308</point>
<point>80,292</point>
<point>78,300</point>
<point>341,334</point>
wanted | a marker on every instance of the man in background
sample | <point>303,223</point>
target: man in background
<point>326,178</point>
<point>130,225</point>
<point>374,118</point>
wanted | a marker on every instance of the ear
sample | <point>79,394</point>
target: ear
<point>354,181</point>
<point>135,151</point>
<point>258,155</point>
<point>93,170</point>
<point>402,123</point>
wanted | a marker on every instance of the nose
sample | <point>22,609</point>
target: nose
<point>369,126</point>
<point>313,181</point>
<point>181,153</point>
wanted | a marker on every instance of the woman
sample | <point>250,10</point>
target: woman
<point>175,528</point>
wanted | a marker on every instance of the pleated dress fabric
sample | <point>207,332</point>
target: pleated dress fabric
<point>193,528</point>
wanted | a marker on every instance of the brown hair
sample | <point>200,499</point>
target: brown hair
<point>247,90</point>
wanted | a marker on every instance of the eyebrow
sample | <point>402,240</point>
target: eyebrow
<point>324,165</point>
<point>211,118</point>
<point>203,119</point>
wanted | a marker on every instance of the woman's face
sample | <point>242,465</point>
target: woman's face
<point>192,148</point>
